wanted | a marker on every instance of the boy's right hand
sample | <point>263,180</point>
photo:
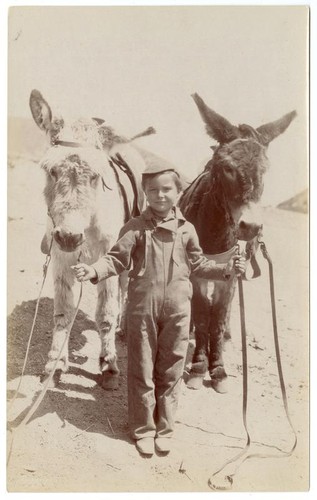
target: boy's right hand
<point>84,272</point>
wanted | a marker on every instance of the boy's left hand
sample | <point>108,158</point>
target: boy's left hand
<point>239,264</point>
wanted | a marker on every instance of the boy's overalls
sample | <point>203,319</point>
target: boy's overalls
<point>158,313</point>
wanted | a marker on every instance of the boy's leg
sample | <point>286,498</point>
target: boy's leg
<point>142,345</point>
<point>172,349</point>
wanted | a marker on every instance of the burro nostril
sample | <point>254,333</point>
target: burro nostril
<point>68,242</point>
<point>77,239</point>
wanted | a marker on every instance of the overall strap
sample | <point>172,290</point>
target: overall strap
<point>141,268</point>
<point>178,243</point>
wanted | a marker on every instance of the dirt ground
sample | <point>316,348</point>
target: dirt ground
<point>77,440</point>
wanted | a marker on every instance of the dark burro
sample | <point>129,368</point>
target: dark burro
<point>214,203</point>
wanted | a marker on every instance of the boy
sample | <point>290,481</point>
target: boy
<point>163,249</point>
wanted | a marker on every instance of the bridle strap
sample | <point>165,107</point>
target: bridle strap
<point>51,217</point>
<point>67,144</point>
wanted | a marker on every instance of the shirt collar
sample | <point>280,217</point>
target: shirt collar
<point>177,214</point>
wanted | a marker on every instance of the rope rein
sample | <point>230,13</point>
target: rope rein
<point>227,480</point>
<point>48,380</point>
<point>45,268</point>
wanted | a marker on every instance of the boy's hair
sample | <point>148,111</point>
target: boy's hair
<point>175,176</point>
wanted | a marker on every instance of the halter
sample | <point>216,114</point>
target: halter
<point>73,144</point>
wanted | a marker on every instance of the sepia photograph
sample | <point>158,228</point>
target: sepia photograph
<point>157,302</point>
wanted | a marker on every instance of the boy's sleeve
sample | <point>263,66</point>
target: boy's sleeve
<point>200,265</point>
<point>118,258</point>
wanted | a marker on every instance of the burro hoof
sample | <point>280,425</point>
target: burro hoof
<point>51,366</point>
<point>219,380</point>
<point>227,335</point>
<point>109,380</point>
<point>195,381</point>
<point>52,380</point>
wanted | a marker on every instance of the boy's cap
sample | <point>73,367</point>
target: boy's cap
<point>155,164</point>
<point>157,169</point>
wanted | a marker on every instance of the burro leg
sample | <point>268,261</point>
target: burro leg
<point>201,305</point>
<point>63,316</point>
<point>107,314</point>
<point>219,319</point>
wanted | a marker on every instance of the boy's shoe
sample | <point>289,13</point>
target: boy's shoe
<point>195,380</point>
<point>145,446</point>
<point>163,444</point>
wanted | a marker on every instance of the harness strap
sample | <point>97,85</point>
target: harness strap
<point>123,193</point>
<point>250,255</point>
<point>224,257</point>
<point>123,165</point>
<point>119,162</point>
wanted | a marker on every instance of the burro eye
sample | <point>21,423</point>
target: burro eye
<point>54,173</point>
<point>228,169</point>
<point>93,177</point>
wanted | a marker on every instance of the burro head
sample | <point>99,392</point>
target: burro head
<point>73,185</point>
<point>239,161</point>
<point>76,166</point>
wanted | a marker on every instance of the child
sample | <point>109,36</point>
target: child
<point>163,249</point>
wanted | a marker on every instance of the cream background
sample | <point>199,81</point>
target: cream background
<point>138,66</point>
<point>160,93</point>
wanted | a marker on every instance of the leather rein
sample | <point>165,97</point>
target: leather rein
<point>225,482</point>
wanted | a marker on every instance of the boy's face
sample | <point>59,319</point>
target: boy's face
<point>161,193</point>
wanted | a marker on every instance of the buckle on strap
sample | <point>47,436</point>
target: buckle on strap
<point>251,249</point>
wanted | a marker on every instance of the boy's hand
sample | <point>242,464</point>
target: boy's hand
<point>239,264</point>
<point>84,272</point>
<point>236,266</point>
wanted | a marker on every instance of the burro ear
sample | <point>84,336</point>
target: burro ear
<point>217,127</point>
<point>271,130</point>
<point>40,110</point>
<point>99,121</point>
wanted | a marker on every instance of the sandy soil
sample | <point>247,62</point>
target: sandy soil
<point>77,440</point>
